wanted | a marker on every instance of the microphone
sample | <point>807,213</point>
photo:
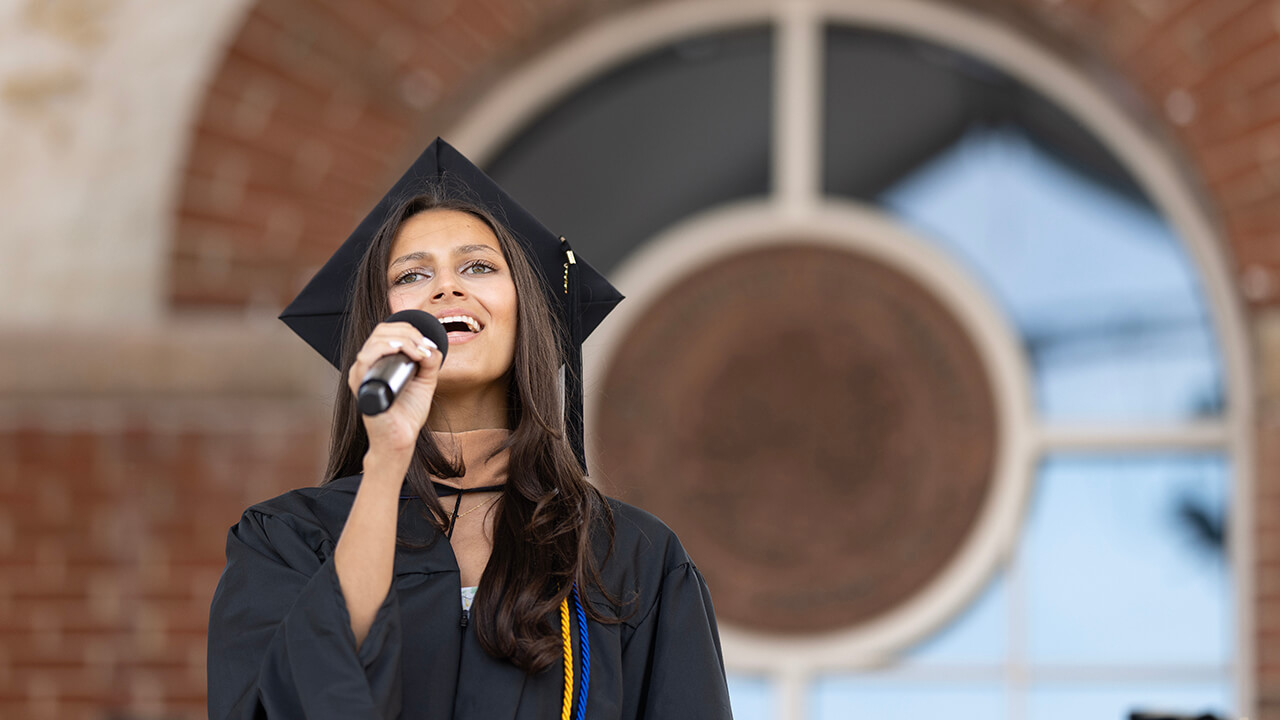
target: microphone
<point>390,373</point>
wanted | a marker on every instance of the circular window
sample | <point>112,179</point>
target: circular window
<point>770,406</point>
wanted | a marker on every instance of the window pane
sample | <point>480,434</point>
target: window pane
<point>752,697</point>
<point>1096,283</point>
<point>1103,295</point>
<point>1073,702</point>
<point>654,141</point>
<point>979,636</point>
<point>841,698</point>
<point>1125,565</point>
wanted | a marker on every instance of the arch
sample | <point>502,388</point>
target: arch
<point>522,95</point>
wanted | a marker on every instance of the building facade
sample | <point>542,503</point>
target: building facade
<point>975,304</point>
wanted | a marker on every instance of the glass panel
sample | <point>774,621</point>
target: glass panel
<point>1073,702</point>
<point>1098,287</point>
<point>1094,280</point>
<point>752,697</point>
<point>978,636</point>
<point>1125,563</point>
<point>679,130</point>
<point>884,698</point>
<point>893,103</point>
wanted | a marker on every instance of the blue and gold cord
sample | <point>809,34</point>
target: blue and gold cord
<point>566,637</point>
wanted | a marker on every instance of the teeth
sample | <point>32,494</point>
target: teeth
<point>470,321</point>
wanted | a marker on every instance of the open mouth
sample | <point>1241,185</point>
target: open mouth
<point>460,323</point>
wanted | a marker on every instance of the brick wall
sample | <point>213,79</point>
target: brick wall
<point>124,458</point>
<point>112,544</point>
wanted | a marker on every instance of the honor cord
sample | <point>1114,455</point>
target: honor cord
<point>585,644</point>
<point>566,636</point>
<point>566,713</point>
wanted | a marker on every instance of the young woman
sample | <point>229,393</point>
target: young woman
<point>525,594</point>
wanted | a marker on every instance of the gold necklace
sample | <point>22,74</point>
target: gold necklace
<point>486,503</point>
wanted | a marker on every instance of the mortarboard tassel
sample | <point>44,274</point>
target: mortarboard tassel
<point>573,415</point>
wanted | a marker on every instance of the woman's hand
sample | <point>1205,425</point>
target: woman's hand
<point>396,430</point>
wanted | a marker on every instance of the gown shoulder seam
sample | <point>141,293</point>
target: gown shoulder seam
<point>685,565</point>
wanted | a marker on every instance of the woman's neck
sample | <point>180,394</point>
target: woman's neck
<point>466,411</point>
<point>476,450</point>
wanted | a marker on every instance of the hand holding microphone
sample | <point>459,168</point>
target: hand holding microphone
<point>394,377</point>
<point>388,375</point>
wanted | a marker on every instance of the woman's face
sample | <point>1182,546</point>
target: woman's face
<point>449,263</point>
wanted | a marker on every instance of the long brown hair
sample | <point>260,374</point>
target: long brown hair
<point>542,532</point>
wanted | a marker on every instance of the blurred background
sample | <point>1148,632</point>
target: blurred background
<point>952,345</point>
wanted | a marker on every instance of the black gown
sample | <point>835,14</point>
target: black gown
<point>281,645</point>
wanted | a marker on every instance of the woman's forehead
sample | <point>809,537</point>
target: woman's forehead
<point>441,233</point>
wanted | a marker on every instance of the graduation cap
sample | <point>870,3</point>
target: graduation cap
<point>577,293</point>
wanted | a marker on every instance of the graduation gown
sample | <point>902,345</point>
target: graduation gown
<point>281,645</point>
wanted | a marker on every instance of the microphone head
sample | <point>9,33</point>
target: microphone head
<point>374,397</point>
<point>428,325</point>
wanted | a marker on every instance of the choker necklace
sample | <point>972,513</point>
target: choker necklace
<point>443,490</point>
<point>446,490</point>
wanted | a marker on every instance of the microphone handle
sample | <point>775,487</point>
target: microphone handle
<point>384,381</point>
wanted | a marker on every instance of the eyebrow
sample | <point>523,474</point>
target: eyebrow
<point>460,250</point>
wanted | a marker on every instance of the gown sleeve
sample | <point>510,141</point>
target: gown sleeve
<point>673,658</point>
<point>280,639</point>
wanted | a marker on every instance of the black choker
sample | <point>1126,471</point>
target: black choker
<point>443,490</point>
<point>446,490</point>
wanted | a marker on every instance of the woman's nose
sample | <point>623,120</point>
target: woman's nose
<point>447,287</point>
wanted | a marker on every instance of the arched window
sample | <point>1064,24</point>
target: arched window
<point>953,161</point>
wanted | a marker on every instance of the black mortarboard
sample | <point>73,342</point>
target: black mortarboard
<point>580,295</point>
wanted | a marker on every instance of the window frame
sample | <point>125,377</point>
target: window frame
<point>798,207</point>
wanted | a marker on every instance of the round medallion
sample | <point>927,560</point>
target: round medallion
<point>817,428</point>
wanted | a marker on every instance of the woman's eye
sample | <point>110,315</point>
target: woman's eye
<point>480,268</point>
<point>411,276</point>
